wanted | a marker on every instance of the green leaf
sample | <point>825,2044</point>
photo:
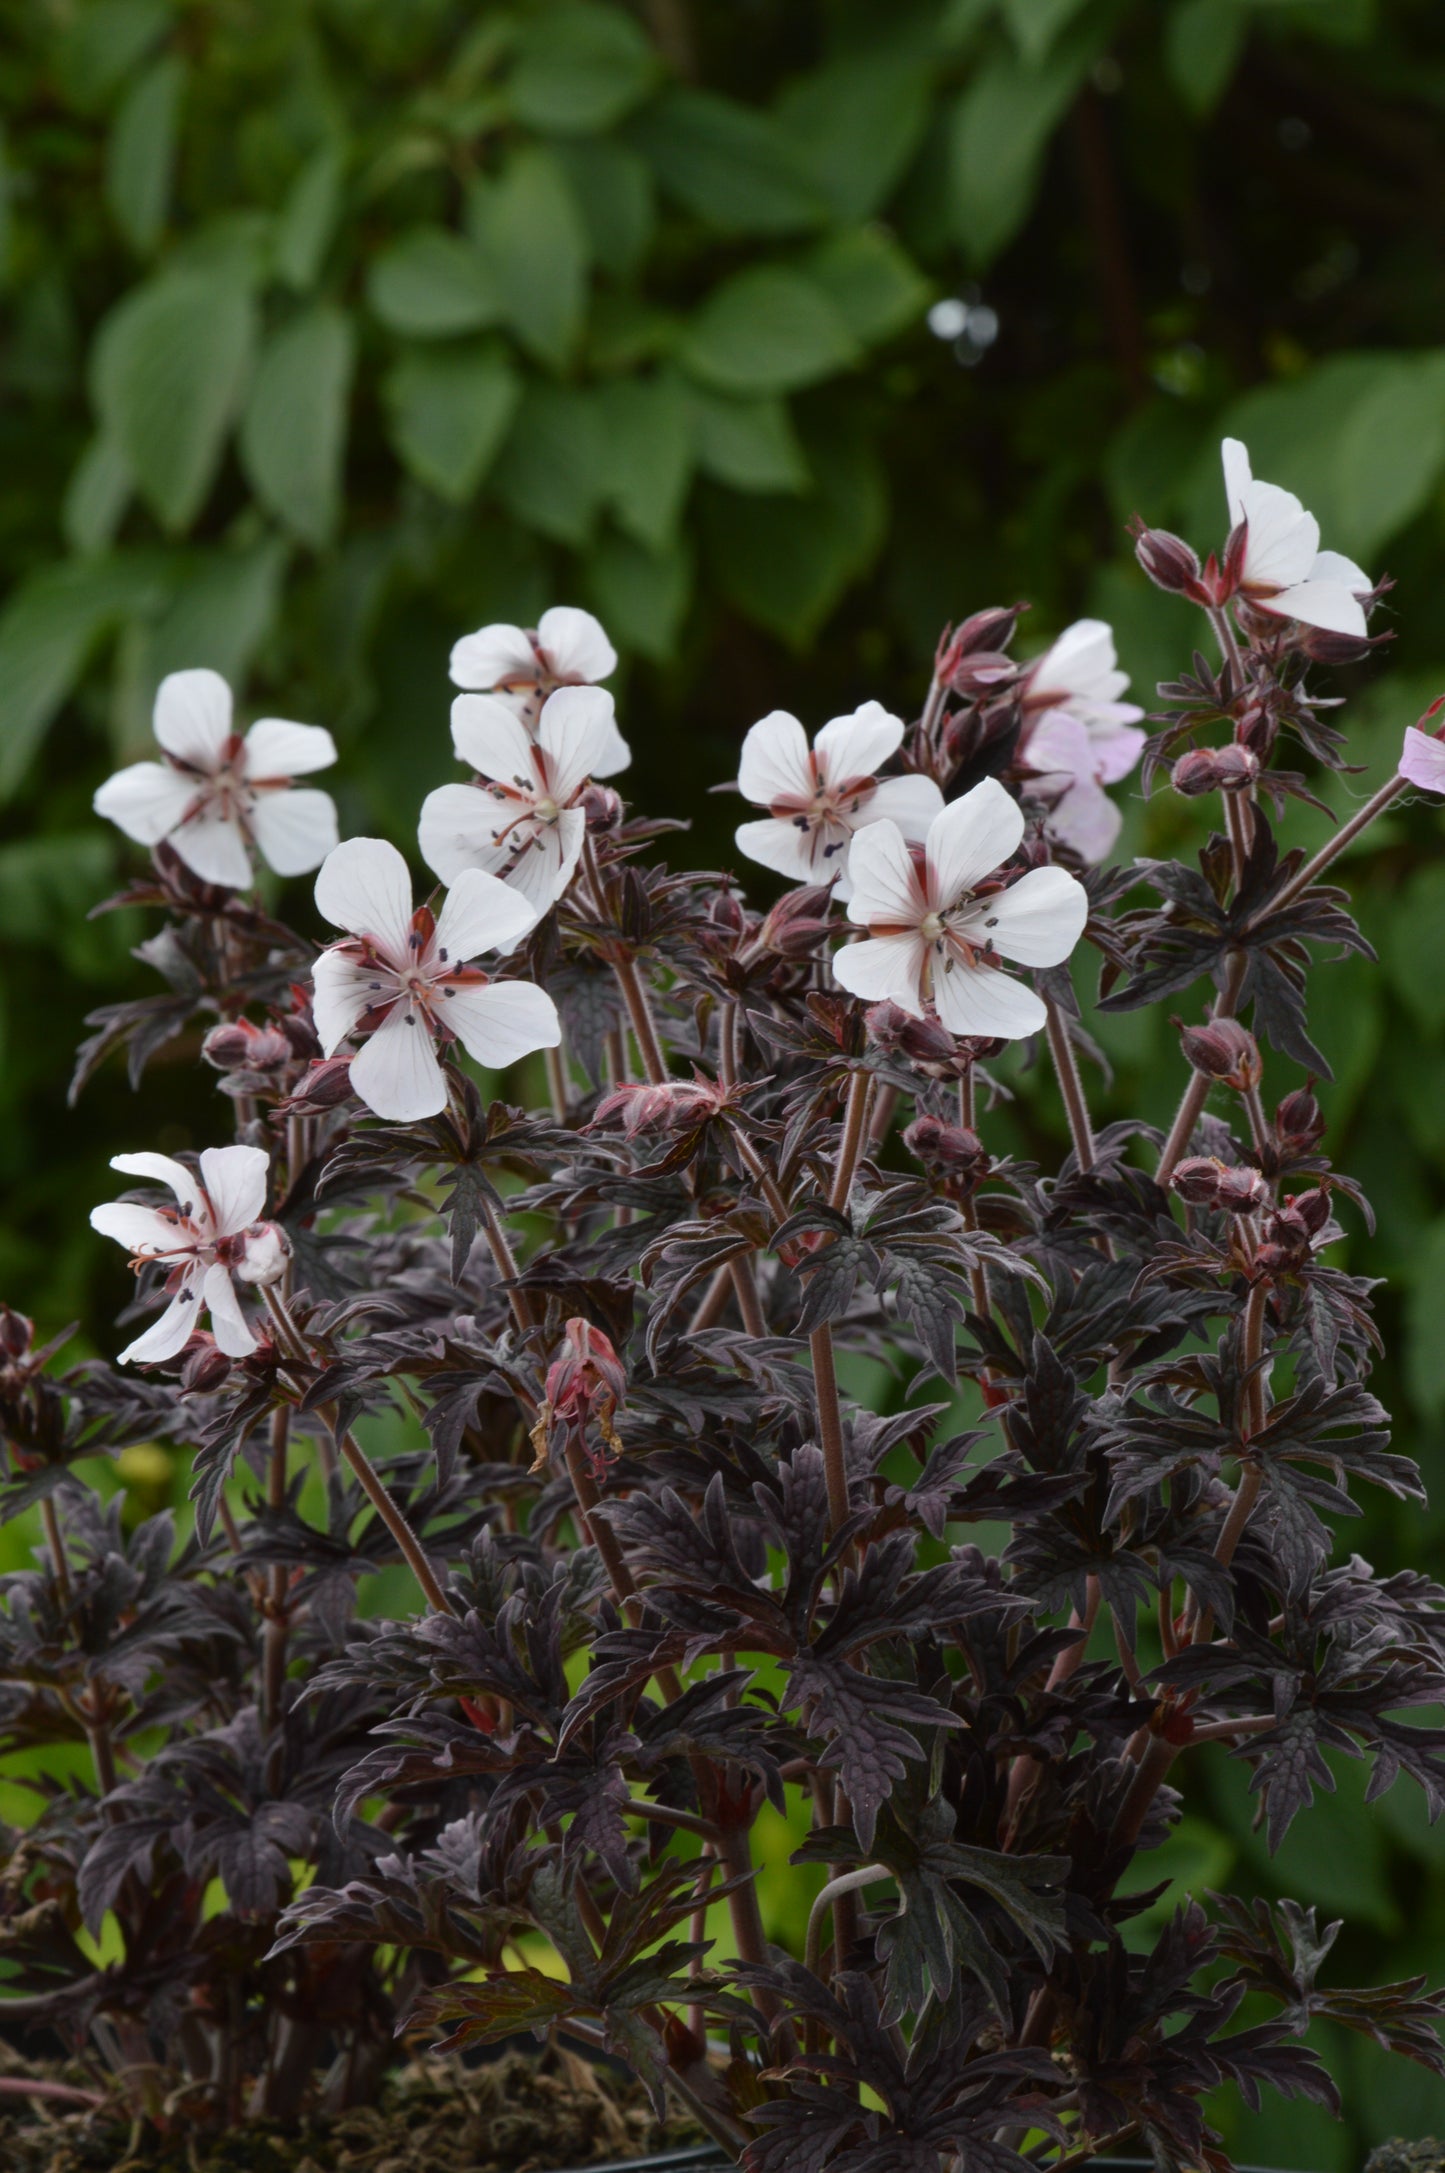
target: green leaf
<point>551,468</point>
<point>786,562</point>
<point>750,444</point>
<point>1001,130</point>
<point>1036,23</point>
<point>731,166</point>
<point>647,429</point>
<point>168,370</point>
<point>641,595</point>
<point>580,68</point>
<point>431,283</point>
<point>100,45</point>
<point>612,189</point>
<point>47,631</point>
<point>766,330</point>
<point>450,409</point>
<point>1389,454</point>
<point>222,610</point>
<point>1417,943</point>
<point>856,124</point>
<point>308,217</point>
<point>876,286</point>
<point>140,154</point>
<point>293,433</point>
<point>528,225</point>
<point>96,496</point>
<point>1203,41</point>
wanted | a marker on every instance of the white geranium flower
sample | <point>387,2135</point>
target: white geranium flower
<point>936,936</point>
<point>1079,736</point>
<point>1284,568</point>
<point>204,1237</point>
<point>1422,760</point>
<point>402,978</point>
<point>217,794</point>
<point>568,648</point>
<point>523,819</point>
<point>819,797</point>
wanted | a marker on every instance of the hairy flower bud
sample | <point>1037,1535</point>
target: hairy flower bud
<point>264,1251</point>
<point>17,1334</point>
<point>798,922</point>
<point>948,1151</point>
<point>204,1365</point>
<point>325,1086</point>
<point>603,807</point>
<point>1242,1190</point>
<point>1223,1049</point>
<point>1168,560</point>
<point>237,1045</point>
<point>985,635</point>
<point>1196,1179</point>
<point>898,1033</point>
<point>1299,1122</point>
<point>1214,769</point>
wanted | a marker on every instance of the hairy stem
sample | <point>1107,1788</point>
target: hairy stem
<point>274,1633</point>
<point>1182,1129</point>
<point>505,1262</point>
<point>1315,867</point>
<point>1071,1086</point>
<point>395,1522</point>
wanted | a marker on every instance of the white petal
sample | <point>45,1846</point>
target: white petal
<point>165,1172</point>
<point>144,1231</point>
<point>909,803</point>
<point>493,653</point>
<point>340,991</point>
<point>981,1001</point>
<point>613,754</point>
<point>1082,662</point>
<point>365,886</point>
<point>780,845</point>
<point>480,913</point>
<point>502,1022</point>
<point>1087,821</point>
<point>1060,745</point>
<point>228,1322</point>
<point>274,748</point>
<point>397,1073</point>
<point>547,867</point>
<point>492,740</point>
<point>1320,603</point>
<point>882,967</point>
<point>295,830</point>
<point>1117,748</point>
<point>1036,921</point>
<point>1283,538</point>
<point>213,848</point>
<point>165,1336</point>
<point>774,761</point>
<point>576,726</point>
<point>235,1182</point>
<point>192,717</point>
<point>971,838</point>
<point>458,830</point>
<point>886,888</point>
<point>146,801</point>
<point>1334,566</point>
<point>858,746</point>
<point>1423,760</point>
<point>1237,478</point>
<point>575,645</point>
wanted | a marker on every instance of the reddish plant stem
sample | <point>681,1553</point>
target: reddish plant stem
<point>505,1262</point>
<point>714,1301</point>
<point>1315,867</point>
<point>395,1522</point>
<point>1182,1129</point>
<point>1071,1086</point>
<point>274,1631</point>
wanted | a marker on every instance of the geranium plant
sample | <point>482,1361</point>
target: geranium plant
<point>667,1570</point>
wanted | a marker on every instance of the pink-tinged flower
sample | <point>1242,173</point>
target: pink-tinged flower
<point>818,797</point>
<point>206,1238</point>
<point>1422,759</point>
<point>217,794</point>
<point>402,979</point>
<point>584,1387</point>
<point>523,819</point>
<point>1079,737</point>
<point>568,648</point>
<point>937,929</point>
<point>1284,569</point>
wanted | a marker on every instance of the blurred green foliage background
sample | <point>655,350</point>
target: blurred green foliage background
<point>778,332</point>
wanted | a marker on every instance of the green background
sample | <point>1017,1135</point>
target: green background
<point>331,330</point>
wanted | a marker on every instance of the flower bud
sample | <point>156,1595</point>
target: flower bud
<point>324,1086</point>
<point>204,1365</point>
<point>897,1033</point>
<point>1298,1121</point>
<point>1313,1209</point>
<point>1242,1191</point>
<point>987,632</point>
<point>1168,560</point>
<point>603,807</point>
<point>1223,1049</point>
<point>265,1250</point>
<point>237,1045</point>
<point>1214,769</point>
<point>798,922</point>
<point>1196,1180</point>
<point>946,1150</point>
<point>17,1335</point>
<point>586,1384</point>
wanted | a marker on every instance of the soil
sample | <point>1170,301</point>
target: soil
<point>516,2114</point>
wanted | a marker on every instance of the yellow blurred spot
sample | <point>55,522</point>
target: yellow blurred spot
<point>147,1467</point>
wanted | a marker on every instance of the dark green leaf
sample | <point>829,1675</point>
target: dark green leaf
<point>855,125</point>
<point>293,434</point>
<point>528,226</point>
<point>308,217</point>
<point>432,283</point>
<point>47,631</point>
<point>612,188</point>
<point>766,330</point>
<point>140,155</point>
<point>450,410</point>
<point>647,426</point>
<point>731,166</point>
<point>580,67</point>
<point>551,467</point>
<point>748,443</point>
<point>876,287</point>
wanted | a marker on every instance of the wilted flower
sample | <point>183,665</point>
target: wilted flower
<point>206,1238</point>
<point>819,797</point>
<point>524,819</point>
<point>567,649</point>
<point>584,1386</point>
<point>1082,736</point>
<point>937,935</point>
<point>1284,570</point>
<point>401,978</point>
<point>217,794</point>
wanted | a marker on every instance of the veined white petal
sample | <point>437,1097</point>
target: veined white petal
<point>213,848</point>
<point>971,838</point>
<point>613,753</point>
<point>479,660</point>
<point>502,1022</point>
<point>1334,566</point>
<point>544,870</point>
<point>774,761</point>
<point>1036,921</point>
<point>340,991</point>
<point>228,1322</point>
<point>192,718</point>
<point>884,967</point>
<point>458,830</point>
<point>493,741</point>
<point>275,748</point>
<point>1237,478</point>
<point>1320,603</point>
<point>780,845</point>
<point>1086,820</point>
<point>295,830</point>
<point>365,887</point>
<point>1283,537</point>
<point>981,1001</point>
<point>575,645</point>
<point>574,730</point>
<point>235,1182</point>
<point>479,913</point>
<point>146,801</point>
<point>165,1336</point>
<point>1423,760</point>
<point>910,803</point>
<point>886,888</point>
<point>164,1171</point>
<point>858,746</point>
<point>397,1073</point>
<point>144,1231</point>
<point>1082,663</point>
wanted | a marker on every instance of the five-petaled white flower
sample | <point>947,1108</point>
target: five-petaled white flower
<point>936,932</point>
<point>523,819</point>
<point>402,978</point>
<point>819,797</point>
<point>209,1236</point>
<point>217,794</point>
<point>568,648</point>
<point>1078,735</point>
<point>1284,568</point>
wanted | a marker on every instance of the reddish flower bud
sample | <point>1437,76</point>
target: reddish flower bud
<point>1168,561</point>
<point>987,632</point>
<point>1242,1191</point>
<point>949,1151</point>
<point>898,1033</point>
<point>1214,769</point>
<point>325,1086</point>
<point>603,807</point>
<point>798,922</point>
<point>237,1045</point>
<point>1313,1209</point>
<point>204,1366</point>
<point>1328,648</point>
<point>585,1385</point>
<point>1299,1122</point>
<point>17,1335</point>
<point>1196,1179</point>
<point>1223,1049</point>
